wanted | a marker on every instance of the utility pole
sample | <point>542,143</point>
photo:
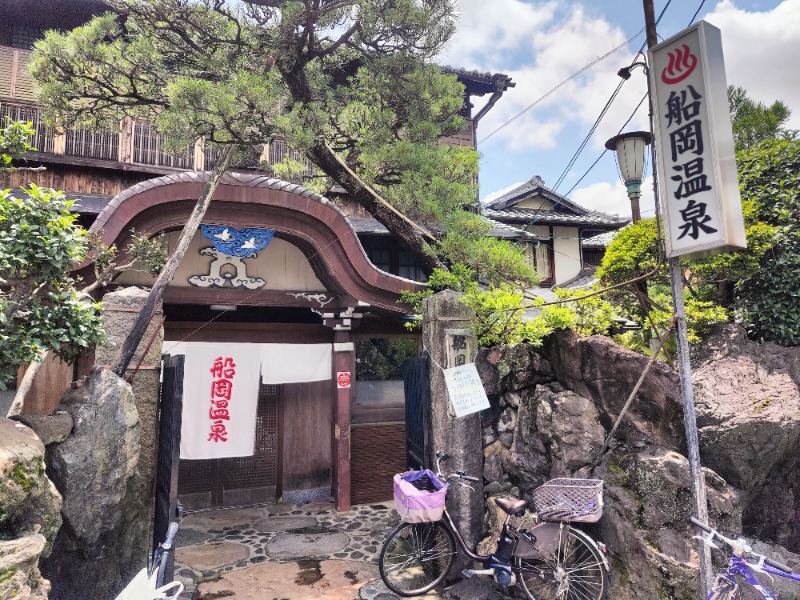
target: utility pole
<point>699,502</point>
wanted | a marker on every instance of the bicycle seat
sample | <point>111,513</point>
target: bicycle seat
<point>511,505</point>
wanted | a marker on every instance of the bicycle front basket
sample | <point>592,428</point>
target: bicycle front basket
<point>419,496</point>
<point>570,500</point>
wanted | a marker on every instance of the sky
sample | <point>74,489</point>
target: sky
<point>542,43</point>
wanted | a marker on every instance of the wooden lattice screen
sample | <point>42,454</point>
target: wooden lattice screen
<point>222,478</point>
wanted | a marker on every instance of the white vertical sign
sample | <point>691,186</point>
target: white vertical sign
<point>465,390</point>
<point>697,178</point>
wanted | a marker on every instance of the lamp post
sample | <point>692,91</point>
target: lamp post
<point>630,158</point>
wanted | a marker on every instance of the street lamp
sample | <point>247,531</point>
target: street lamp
<point>630,158</point>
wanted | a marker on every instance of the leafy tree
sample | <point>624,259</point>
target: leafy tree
<point>40,307</point>
<point>14,142</point>
<point>767,301</point>
<point>635,252</point>
<point>754,121</point>
<point>348,83</point>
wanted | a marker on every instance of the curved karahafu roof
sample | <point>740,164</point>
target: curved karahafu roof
<point>304,218</point>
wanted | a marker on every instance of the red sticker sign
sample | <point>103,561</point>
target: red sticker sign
<point>343,379</point>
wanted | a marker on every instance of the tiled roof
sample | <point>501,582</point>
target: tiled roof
<point>505,231</point>
<point>585,279</point>
<point>480,83</point>
<point>534,187</point>
<point>551,217</point>
<point>367,225</point>
<point>601,240</point>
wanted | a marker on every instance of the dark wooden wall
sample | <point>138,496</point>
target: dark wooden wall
<point>307,410</point>
<point>377,453</point>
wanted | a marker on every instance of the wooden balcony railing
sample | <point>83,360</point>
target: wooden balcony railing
<point>134,143</point>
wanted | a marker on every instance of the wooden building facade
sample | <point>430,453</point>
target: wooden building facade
<point>330,275</point>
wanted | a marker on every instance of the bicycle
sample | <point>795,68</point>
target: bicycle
<point>163,558</point>
<point>728,583</point>
<point>155,581</point>
<point>552,560</point>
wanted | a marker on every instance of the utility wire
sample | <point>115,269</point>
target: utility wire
<point>602,154</point>
<point>567,80</point>
<point>594,164</point>
<point>697,12</point>
<point>589,135</point>
<point>603,113</point>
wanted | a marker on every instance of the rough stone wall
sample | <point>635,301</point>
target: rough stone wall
<point>748,406</point>
<point>105,468</point>
<point>29,513</point>
<point>93,468</point>
<point>551,411</point>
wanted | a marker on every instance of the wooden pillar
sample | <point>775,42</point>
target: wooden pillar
<point>199,160</point>
<point>344,364</point>
<point>126,130</point>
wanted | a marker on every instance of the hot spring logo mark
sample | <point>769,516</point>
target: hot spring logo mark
<point>231,247</point>
<point>681,64</point>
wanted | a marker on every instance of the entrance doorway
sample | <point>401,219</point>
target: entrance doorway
<point>215,483</point>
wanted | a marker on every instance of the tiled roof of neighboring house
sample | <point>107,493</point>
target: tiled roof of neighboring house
<point>563,212</point>
<point>534,187</point>
<point>89,204</point>
<point>586,278</point>
<point>552,217</point>
<point>498,229</point>
<point>601,240</point>
<point>479,83</point>
<point>502,230</point>
<point>367,225</point>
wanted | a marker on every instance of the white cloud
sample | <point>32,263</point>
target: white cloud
<point>760,50</point>
<point>613,199</point>
<point>540,45</point>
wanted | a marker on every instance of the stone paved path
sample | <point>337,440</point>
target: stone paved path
<point>292,552</point>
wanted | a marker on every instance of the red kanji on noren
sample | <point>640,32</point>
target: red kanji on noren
<point>223,367</point>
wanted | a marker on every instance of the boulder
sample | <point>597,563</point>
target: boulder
<point>93,556</point>
<point>748,400</point>
<point>49,428</point>
<point>19,572</point>
<point>92,467</point>
<point>646,526</point>
<point>596,367</point>
<point>29,512</point>
<point>28,500</point>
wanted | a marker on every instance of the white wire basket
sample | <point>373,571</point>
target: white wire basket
<point>579,500</point>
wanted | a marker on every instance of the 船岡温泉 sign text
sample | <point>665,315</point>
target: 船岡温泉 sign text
<point>697,179</point>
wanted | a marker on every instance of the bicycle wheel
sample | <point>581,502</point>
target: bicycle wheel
<point>742,591</point>
<point>575,571</point>
<point>415,558</point>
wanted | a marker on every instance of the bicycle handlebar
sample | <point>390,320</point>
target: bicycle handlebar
<point>441,457</point>
<point>740,545</point>
<point>171,532</point>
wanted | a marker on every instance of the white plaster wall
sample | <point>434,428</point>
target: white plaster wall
<point>281,264</point>
<point>567,249</point>
<point>535,203</point>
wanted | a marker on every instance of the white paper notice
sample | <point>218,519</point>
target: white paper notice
<point>465,389</point>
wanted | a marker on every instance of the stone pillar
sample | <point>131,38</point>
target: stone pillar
<point>446,334</point>
<point>344,361</point>
<point>120,309</point>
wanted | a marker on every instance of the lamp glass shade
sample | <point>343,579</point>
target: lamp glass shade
<point>630,156</point>
<point>630,148</point>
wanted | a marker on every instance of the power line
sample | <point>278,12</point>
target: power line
<point>567,80</point>
<point>604,151</point>
<point>602,114</point>
<point>697,12</point>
